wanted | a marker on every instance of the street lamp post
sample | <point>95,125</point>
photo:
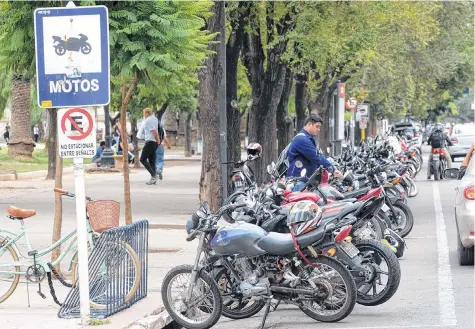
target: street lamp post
<point>107,156</point>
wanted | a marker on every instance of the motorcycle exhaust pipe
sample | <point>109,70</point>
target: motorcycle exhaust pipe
<point>286,290</point>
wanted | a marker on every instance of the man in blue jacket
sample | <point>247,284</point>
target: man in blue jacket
<point>303,152</point>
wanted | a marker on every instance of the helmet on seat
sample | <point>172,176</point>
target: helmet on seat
<point>254,151</point>
<point>304,216</point>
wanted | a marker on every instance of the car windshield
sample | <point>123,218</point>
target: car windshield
<point>464,130</point>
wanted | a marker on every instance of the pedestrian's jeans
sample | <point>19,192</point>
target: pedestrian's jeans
<point>148,157</point>
<point>160,158</point>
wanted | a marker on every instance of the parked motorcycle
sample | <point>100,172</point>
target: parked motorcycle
<point>264,266</point>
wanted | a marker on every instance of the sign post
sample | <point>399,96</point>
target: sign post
<point>362,115</point>
<point>72,71</point>
<point>351,105</point>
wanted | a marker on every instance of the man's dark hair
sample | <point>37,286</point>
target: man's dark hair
<point>103,143</point>
<point>313,118</point>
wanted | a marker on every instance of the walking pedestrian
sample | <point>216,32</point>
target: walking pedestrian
<point>36,133</point>
<point>149,132</point>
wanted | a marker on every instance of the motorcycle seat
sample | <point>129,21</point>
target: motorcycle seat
<point>340,211</point>
<point>282,243</point>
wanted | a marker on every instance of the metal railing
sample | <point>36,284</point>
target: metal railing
<point>118,272</point>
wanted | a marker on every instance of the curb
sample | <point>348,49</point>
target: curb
<point>157,320</point>
<point>36,174</point>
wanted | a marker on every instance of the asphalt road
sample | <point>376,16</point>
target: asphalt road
<point>435,292</point>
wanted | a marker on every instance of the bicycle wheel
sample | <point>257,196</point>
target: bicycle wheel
<point>8,282</point>
<point>125,259</point>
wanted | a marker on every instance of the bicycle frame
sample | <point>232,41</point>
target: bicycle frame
<point>25,262</point>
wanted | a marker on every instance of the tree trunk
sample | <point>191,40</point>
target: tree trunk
<point>300,99</point>
<point>41,129</point>
<point>135,142</point>
<point>51,142</point>
<point>58,203</point>
<point>210,77</point>
<point>159,113</point>
<point>21,143</point>
<point>124,137</point>
<point>188,134</point>
<point>282,118</point>
<point>233,49</point>
<point>267,84</point>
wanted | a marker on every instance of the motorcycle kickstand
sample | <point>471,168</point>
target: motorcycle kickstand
<point>266,313</point>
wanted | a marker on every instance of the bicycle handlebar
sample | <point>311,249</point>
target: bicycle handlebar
<point>69,194</point>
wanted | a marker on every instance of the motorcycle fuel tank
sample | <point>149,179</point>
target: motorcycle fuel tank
<point>238,239</point>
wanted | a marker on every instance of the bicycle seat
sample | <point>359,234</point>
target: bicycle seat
<point>20,213</point>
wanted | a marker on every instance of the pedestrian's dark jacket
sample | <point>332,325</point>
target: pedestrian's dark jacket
<point>303,153</point>
<point>439,139</point>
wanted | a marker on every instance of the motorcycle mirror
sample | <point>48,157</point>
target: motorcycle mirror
<point>273,165</point>
<point>303,172</point>
<point>452,173</point>
<point>328,150</point>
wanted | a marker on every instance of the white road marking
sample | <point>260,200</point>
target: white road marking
<point>446,287</point>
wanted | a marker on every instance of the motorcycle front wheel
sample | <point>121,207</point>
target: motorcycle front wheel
<point>86,48</point>
<point>203,310</point>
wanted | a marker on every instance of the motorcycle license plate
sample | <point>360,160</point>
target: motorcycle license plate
<point>385,208</point>
<point>349,249</point>
<point>436,156</point>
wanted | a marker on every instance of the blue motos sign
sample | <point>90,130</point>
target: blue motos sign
<point>72,56</point>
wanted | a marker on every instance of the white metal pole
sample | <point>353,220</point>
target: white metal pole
<point>80,191</point>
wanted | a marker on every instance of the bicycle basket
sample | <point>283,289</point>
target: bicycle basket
<point>103,214</point>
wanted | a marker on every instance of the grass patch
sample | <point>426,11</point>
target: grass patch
<point>39,161</point>
<point>98,322</point>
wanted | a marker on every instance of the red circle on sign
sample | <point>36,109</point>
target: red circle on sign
<point>351,103</point>
<point>67,116</point>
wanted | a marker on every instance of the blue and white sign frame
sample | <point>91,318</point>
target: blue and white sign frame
<point>72,56</point>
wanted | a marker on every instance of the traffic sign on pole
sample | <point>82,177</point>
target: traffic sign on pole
<point>76,133</point>
<point>351,103</point>
<point>72,56</point>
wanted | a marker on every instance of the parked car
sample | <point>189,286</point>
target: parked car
<point>462,136</point>
<point>412,131</point>
<point>464,212</point>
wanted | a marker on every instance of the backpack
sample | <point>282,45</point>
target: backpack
<point>161,133</point>
<point>283,161</point>
<point>437,140</point>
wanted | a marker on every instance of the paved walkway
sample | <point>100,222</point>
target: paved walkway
<point>168,204</point>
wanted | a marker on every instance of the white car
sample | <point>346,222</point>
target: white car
<point>462,136</point>
<point>465,212</point>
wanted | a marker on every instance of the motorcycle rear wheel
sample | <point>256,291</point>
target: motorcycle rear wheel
<point>393,275</point>
<point>350,290</point>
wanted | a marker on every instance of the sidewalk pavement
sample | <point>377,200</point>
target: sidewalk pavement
<point>166,206</point>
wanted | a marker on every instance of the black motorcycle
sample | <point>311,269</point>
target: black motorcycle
<point>72,44</point>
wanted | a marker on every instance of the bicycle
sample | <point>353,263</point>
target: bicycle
<point>35,269</point>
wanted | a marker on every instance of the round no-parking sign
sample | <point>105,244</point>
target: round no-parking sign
<point>76,133</point>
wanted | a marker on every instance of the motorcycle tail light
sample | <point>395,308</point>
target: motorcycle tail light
<point>436,151</point>
<point>472,233</point>
<point>344,232</point>
<point>469,193</point>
